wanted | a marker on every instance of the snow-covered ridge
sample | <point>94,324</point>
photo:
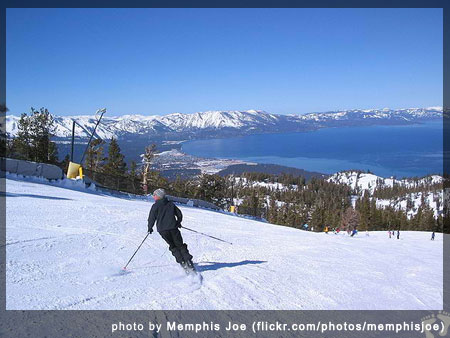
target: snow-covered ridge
<point>385,113</point>
<point>410,203</point>
<point>250,120</point>
<point>369,182</point>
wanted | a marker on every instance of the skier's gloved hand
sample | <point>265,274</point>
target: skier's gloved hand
<point>179,225</point>
<point>150,231</point>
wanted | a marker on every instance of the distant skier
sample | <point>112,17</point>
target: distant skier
<point>389,233</point>
<point>326,230</point>
<point>168,219</point>
<point>432,236</point>
<point>398,234</point>
<point>354,232</point>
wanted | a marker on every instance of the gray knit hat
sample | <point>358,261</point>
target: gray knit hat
<point>160,193</point>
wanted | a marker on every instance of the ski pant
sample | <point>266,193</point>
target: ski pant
<point>176,246</point>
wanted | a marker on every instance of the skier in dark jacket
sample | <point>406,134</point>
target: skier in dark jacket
<point>168,219</point>
<point>432,236</point>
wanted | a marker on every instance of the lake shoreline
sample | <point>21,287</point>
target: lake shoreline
<point>401,150</point>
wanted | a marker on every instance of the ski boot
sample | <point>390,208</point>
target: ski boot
<point>185,267</point>
<point>190,266</point>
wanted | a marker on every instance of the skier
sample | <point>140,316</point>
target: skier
<point>354,232</point>
<point>389,233</point>
<point>168,219</point>
<point>432,236</point>
<point>398,234</point>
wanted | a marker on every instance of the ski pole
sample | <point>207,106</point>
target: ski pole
<point>201,233</point>
<point>125,267</point>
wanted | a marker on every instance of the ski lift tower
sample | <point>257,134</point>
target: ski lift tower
<point>75,169</point>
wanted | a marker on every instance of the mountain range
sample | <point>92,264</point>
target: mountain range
<point>208,124</point>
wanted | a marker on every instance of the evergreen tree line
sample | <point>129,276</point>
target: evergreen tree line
<point>388,218</point>
<point>110,169</point>
<point>33,141</point>
<point>398,190</point>
<point>318,203</point>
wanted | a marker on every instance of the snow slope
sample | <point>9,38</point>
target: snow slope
<point>65,249</point>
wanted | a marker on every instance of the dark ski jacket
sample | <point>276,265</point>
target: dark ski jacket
<point>166,214</point>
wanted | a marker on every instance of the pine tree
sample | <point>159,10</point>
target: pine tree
<point>272,211</point>
<point>115,164</point>
<point>94,156</point>
<point>41,130</point>
<point>179,187</point>
<point>22,143</point>
<point>318,217</point>
<point>9,148</point>
<point>212,189</point>
<point>155,180</point>
<point>147,158</point>
<point>33,141</point>
<point>134,176</point>
<point>3,139</point>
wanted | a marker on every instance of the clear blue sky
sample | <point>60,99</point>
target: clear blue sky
<point>159,61</point>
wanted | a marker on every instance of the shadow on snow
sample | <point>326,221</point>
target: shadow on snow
<point>218,265</point>
<point>10,194</point>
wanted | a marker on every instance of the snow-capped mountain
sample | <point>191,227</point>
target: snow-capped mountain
<point>227,123</point>
<point>407,114</point>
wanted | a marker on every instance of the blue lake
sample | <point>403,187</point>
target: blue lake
<point>401,151</point>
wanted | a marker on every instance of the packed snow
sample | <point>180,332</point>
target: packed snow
<point>66,245</point>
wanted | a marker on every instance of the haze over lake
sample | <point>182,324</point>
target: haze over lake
<point>409,150</point>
